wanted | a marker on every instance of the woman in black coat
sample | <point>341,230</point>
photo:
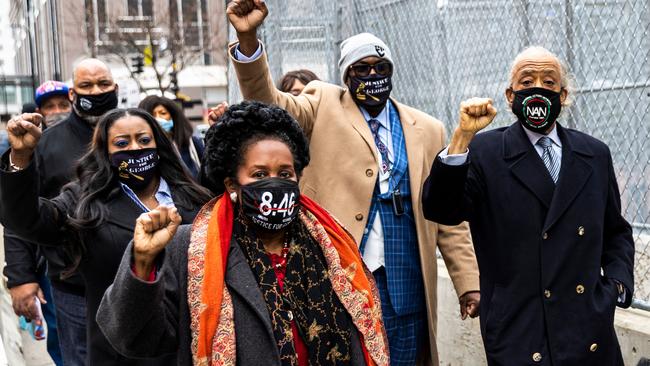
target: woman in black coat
<point>131,168</point>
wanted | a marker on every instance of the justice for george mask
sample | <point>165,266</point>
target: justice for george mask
<point>371,90</point>
<point>135,168</point>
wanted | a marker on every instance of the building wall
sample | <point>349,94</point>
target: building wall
<point>76,28</point>
<point>73,35</point>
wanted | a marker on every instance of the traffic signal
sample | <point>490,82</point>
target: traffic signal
<point>137,64</point>
<point>173,82</point>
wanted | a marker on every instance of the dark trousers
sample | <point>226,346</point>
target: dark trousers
<point>406,333</point>
<point>71,324</point>
<point>49,313</point>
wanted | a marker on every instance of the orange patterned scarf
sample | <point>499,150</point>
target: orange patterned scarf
<point>211,310</point>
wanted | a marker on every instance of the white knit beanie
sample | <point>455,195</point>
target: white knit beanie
<point>361,46</point>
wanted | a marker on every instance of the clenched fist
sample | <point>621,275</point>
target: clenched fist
<point>470,303</point>
<point>246,15</point>
<point>153,231</point>
<point>217,112</point>
<point>24,132</point>
<point>475,115</point>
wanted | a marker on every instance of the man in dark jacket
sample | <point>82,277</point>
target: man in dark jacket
<point>94,92</point>
<point>53,104</point>
<point>555,254</point>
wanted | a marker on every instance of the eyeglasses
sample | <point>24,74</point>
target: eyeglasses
<point>381,68</point>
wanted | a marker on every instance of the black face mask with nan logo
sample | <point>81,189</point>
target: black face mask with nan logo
<point>135,168</point>
<point>537,108</point>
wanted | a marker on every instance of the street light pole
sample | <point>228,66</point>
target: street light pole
<point>4,90</point>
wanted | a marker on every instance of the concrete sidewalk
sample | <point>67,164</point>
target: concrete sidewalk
<point>18,347</point>
<point>460,343</point>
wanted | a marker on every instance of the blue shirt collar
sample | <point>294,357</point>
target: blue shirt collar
<point>163,195</point>
<point>383,116</point>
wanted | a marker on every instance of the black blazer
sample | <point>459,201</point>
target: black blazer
<point>148,319</point>
<point>186,157</point>
<point>42,221</point>
<point>540,247</point>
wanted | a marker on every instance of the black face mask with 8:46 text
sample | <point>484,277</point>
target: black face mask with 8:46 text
<point>271,203</point>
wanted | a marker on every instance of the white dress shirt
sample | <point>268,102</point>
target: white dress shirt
<point>243,58</point>
<point>373,253</point>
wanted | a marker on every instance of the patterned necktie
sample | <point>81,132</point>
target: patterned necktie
<point>383,150</point>
<point>550,158</point>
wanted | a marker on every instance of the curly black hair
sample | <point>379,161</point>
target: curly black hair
<point>244,124</point>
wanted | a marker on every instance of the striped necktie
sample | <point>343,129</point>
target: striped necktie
<point>383,150</point>
<point>550,158</point>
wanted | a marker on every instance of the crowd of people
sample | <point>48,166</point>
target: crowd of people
<point>303,229</point>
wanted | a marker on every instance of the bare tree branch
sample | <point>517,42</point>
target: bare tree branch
<point>129,37</point>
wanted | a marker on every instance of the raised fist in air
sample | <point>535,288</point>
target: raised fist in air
<point>476,114</point>
<point>246,15</point>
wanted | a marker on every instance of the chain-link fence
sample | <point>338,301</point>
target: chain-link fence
<point>448,50</point>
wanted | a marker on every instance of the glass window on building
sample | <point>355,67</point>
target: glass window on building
<point>102,18</point>
<point>10,93</point>
<point>26,94</point>
<point>147,8</point>
<point>140,8</point>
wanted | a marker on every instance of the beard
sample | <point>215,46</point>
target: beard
<point>92,120</point>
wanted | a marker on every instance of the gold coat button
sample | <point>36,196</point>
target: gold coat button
<point>580,289</point>
<point>593,347</point>
<point>547,294</point>
<point>537,356</point>
<point>359,217</point>
<point>581,230</point>
<point>369,173</point>
<point>545,236</point>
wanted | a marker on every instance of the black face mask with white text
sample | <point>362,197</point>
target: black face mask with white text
<point>271,203</point>
<point>537,108</point>
<point>371,91</point>
<point>96,104</point>
<point>135,168</point>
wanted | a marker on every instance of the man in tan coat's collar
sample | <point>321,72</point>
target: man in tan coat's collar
<point>369,158</point>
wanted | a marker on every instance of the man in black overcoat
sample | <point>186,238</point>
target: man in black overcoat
<point>555,255</point>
